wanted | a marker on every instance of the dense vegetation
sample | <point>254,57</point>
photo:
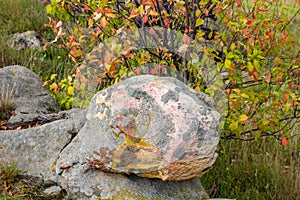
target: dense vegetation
<point>255,59</point>
<point>249,64</point>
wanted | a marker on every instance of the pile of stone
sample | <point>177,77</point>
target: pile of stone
<point>146,137</point>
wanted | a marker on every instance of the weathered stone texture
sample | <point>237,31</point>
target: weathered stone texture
<point>146,131</point>
<point>150,126</point>
<point>95,183</point>
<point>27,94</point>
<point>26,40</point>
<point>36,150</point>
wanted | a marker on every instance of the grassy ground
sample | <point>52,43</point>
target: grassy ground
<point>244,170</point>
<point>30,15</point>
<point>256,170</point>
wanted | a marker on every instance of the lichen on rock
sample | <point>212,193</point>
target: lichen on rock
<point>154,127</point>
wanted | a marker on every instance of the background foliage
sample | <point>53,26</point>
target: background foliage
<point>255,50</point>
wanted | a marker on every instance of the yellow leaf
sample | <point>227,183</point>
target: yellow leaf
<point>246,96</point>
<point>70,90</point>
<point>198,12</point>
<point>140,9</point>
<point>52,76</point>
<point>233,126</point>
<point>111,15</point>
<point>199,22</point>
<point>243,118</point>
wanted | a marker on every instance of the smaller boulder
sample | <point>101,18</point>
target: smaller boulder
<point>26,40</point>
<point>25,91</point>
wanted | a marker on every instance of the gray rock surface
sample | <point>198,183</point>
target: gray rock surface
<point>142,124</point>
<point>52,191</point>
<point>36,150</point>
<point>26,40</point>
<point>154,127</point>
<point>25,89</point>
<point>118,186</point>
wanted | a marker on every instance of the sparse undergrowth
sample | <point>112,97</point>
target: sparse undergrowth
<point>14,185</point>
<point>256,170</point>
<point>31,15</point>
<point>6,105</point>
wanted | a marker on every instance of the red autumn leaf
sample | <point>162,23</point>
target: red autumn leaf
<point>71,38</point>
<point>167,22</point>
<point>108,57</point>
<point>226,91</point>
<point>291,85</point>
<point>255,77</point>
<point>151,31</point>
<point>278,78</point>
<point>268,78</point>
<point>206,12</point>
<point>285,97</point>
<point>107,10</point>
<point>77,74</point>
<point>84,80</point>
<point>246,32</point>
<point>54,87</point>
<point>250,73</point>
<point>284,140</point>
<point>138,71</point>
<point>186,39</point>
<point>145,19</point>
<point>103,22</point>
<point>153,71</point>
<point>218,8</point>
<point>98,11</point>
<point>44,84</point>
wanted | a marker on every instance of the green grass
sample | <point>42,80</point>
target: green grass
<point>256,170</point>
<point>19,16</point>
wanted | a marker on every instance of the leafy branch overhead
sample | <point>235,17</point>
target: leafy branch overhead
<point>244,54</point>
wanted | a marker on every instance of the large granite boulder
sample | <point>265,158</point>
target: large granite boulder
<point>154,127</point>
<point>24,88</point>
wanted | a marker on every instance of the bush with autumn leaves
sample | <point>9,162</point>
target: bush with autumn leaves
<point>249,64</point>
